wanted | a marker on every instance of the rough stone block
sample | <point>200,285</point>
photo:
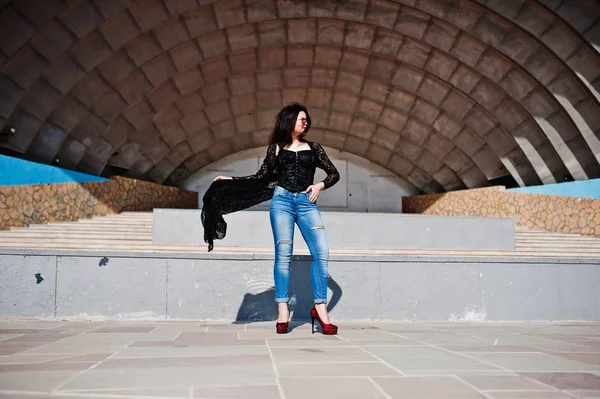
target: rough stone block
<point>190,103</point>
<point>361,128</point>
<point>323,77</point>
<point>424,111</point>
<point>268,100</point>
<point>242,37</point>
<point>52,41</point>
<point>489,163</point>
<point>242,84</point>
<point>319,98</point>
<point>91,126</point>
<point>464,78</point>
<point>447,125</point>
<point>68,112</point>
<point>392,119</point>
<point>491,29</point>
<point>487,94</point>
<point>71,153</point>
<point>580,15</point>
<point>272,33</point>
<point>382,13</point>
<point>139,114</point>
<point>39,13</point>
<point>213,44</point>
<point>300,55</point>
<point>457,104</point>
<point>215,93</point>
<point>159,69</point>
<point>269,80</point>
<point>517,84</point>
<point>41,99</point>
<point>328,57</point>
<point>296,77</point>
<point>509,114</point>
<point>81,18</point>
<point>171,33</point>
<point>344,103</point>
<point>165,118</point>
<point>245,124</point>
<point>447,178</point>
<point>109,105</point>
<point>380,68</point>
<point>420,179</point>
<point>535,18</point>
<point>539,104</point>
<point>218,112</point>
<point>369,109</point>
<point>229,13</point>
<point>359,36</point>
<point>585,62</point>
<point>107,9</point>
<point>356,146</point>
<point>469,141</point>
<point>90,88</point>
<point>224,130</point>
<point>219,150</point>
<point>374,90</point>
<point>387,43</point>
<point>412,23</point>
<point>177,7</point>
<point>243,104</point>
<point>518,46</point>
<point>339,121</point>
<point>438,145</point>
<point>500,141</point>
<point>47,142</point>
<point>290,9</point>
<point>464,14</point>
<point>143,48</point>
<point>408,78</point>
<point>330,32</point>
<point>433,90</point>
<point>164,96</point>
<point>354,60</point>
<point>149,13</point>
<point>400,166</point>
<point>474,178</point>
<point>468,49</point>
<point>259,10</point>
<point>119,30</point>
<point>385,137</point>
<point>441,35</point>
<point>480,121</point>
<point>186,56</point>
<point>116,67</point>
<point>429,162</point>
<point>414,52</point>
<point>351,10</point>
<point>349,83</point>
<point>568,86</point>
<point>189,81</point>
<point>544,66</point>
<point>302,31</point>
<point>400,99</point>
<point>458,161</point>
<point>271,57</point>
<point>161,171</point>
<point>134,86</point>
<point>215,69</point>
<point>416,131</point>
<point>379,155</point>
<point>494,65</point>
<point>321,9</point>
<point>24,67</point>
<point>200,21</point>
<point>117,133</point>
<point>441,64</point>
<point>241,62</point>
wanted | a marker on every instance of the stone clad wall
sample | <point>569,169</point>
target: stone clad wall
<point>534,211</point>
<point>41,203</point>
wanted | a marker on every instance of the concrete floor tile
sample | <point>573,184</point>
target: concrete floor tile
<point>243,392</point>
<point>331,388</point>
<point>216,350</point>
<point>427,387</point>
<point>529,395</point>
<point>501,382</point>
<point>522,362</point>
<point>336,370</point>
<point>35,381</point>
<point>320,355</point>
<point>567,380</point>
<point>172,362</point>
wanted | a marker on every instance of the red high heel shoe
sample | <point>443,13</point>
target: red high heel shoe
<point>282,328</point>
<point>326,329</point>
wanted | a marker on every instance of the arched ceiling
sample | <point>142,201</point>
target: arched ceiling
<point>447,94</point>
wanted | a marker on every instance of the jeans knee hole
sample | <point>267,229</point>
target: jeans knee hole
<point>284,242</point>
<point>318,227</point>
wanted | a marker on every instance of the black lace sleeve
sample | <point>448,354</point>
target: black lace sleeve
<point>324,163</point>
<point>266,169</point>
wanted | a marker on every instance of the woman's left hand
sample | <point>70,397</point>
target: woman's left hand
<point>314,190</point>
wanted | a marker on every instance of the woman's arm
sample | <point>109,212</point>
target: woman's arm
<point>325,163</point>
<point>267,167</point>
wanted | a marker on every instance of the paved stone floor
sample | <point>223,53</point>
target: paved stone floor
<point>62,359</point>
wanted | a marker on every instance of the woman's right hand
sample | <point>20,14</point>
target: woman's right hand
<point>223,178</point>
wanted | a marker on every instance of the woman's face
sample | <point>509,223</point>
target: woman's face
<point>301,123</point>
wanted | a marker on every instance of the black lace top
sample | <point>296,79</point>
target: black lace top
<point>294,171</point>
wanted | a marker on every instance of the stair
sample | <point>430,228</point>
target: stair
<point>132,231</point>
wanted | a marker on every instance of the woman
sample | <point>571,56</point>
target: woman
<point>291,162</point>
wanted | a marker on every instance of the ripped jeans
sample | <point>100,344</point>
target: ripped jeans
<point>288,208</point>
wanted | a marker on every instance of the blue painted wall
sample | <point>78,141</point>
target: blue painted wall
<point>582,189</point>
<point>15,171</point>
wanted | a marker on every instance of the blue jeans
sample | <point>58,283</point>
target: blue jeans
<point>288,208</point>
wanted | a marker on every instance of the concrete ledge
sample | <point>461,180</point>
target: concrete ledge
<point>239,287</point>
<point>346,230</point>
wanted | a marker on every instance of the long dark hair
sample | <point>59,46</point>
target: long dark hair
<point>285,122</point>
